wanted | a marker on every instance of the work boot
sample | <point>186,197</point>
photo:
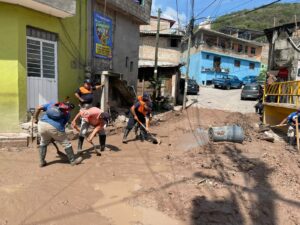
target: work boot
<point>43,152</point>
<point>71,156</point>
<point>80,143</point>
<point>126,132</point>
<point>102,141</point>
<point>143,135</point>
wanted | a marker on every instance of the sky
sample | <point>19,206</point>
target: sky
<point>217,8</point>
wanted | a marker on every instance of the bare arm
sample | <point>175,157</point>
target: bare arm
<point>37,113</point>
<point>94,132</point>
<point>133,112</point>
<point>283,121</point>
<point>99,86</point>
<point>74,125</point>
<point>79,98</point>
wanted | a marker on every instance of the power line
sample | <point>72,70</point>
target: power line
<point>244,13</point>
<point>206,8</point>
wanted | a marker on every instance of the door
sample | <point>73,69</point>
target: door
<point>41,71</point>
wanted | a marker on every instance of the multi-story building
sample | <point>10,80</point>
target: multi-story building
<point>48,47</point>
<point>284,53</point>
<point>214,53</point>
<point>168,56</point>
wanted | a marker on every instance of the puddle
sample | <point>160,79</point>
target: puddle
<point>115,207</point>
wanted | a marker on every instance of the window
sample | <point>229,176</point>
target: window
<point>131,66</point>
<point>207,56</point>
<point>251,66</point>
<point>240,48</point>
<point>217,63</point>
<point>237,63</point>
<point>253,51</point>
<point>139,1</point>
<point>126,61</point>
<point>174,43</point>
<point>41,54</point>
<point>246,49</point>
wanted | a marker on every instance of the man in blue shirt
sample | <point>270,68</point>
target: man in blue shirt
<point>291,122</point>
<point>52,126</point>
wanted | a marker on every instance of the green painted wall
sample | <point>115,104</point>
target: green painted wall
<point>71,57</point>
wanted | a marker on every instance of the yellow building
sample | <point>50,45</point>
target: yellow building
<point>42,48</point>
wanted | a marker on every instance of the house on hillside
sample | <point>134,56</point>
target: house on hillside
<point>284,54</point>
<point>48,47</point>
<point>168,56</point>
<point>214,53</point>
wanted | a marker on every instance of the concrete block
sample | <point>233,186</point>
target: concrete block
<point>13,140</point>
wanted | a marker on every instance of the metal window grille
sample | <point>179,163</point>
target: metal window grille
<point>41,54</point>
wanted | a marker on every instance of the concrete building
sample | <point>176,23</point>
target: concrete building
<point>168,56</point>
<point>284,53</point>
<point>48,47</point>
<point>42,51</point>
<point>214,53</point>
<point>123,19</point>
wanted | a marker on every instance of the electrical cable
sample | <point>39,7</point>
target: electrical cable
<point>205,8</point>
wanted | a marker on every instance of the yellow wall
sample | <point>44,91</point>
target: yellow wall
<point>13,77</point>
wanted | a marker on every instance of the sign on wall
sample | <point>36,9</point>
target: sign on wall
<point>102,36</point>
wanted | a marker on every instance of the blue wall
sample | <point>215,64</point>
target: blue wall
<point>199,61</point>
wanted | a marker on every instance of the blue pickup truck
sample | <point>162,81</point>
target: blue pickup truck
<point>227,82</point>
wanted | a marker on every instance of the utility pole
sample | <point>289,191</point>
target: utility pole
<point>156,55</point>
<point>190,31</point>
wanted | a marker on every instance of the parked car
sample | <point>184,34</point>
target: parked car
<point>251,91</point>
<point>192,88</point>
<point>249,80</point>
<point>227,81</point>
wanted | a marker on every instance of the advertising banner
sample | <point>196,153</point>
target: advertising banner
<point>102,36</point>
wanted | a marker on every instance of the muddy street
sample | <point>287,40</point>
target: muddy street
<point>182,181</point>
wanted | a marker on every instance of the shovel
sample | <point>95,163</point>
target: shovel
<point>154,139</point>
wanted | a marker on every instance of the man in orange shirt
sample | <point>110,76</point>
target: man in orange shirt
<point>85,93</point>
<point>91,117</point>
<point>138,113</point>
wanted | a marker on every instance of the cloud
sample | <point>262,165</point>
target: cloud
<point>171,13</point>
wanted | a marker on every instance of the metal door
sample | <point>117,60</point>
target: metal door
<point>41,71</point>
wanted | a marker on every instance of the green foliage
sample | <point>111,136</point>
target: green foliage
<point>260,19</point>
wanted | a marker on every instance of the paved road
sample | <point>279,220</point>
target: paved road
<point>222,99</point>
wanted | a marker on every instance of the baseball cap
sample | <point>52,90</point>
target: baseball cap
<point>88,81</point>
<point>146,97</point>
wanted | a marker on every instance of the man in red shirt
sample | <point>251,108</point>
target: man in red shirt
<point>91,117</point>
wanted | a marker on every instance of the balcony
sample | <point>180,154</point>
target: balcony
<point>139,10</point>
<point>57,8</point>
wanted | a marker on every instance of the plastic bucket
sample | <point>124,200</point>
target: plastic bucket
<point>227,133</point>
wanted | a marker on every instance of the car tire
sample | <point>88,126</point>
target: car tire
<point>242,98</point>
<point>215,86</point>
<point>227,87</point>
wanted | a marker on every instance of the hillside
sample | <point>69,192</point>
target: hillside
<point>260,19</point>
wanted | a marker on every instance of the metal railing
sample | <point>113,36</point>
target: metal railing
<point>282,92</point>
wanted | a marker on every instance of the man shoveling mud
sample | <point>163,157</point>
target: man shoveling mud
<point>291,121</point>
<point>138,113</point>
<point>91,117</point>
<point>52,127</point>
